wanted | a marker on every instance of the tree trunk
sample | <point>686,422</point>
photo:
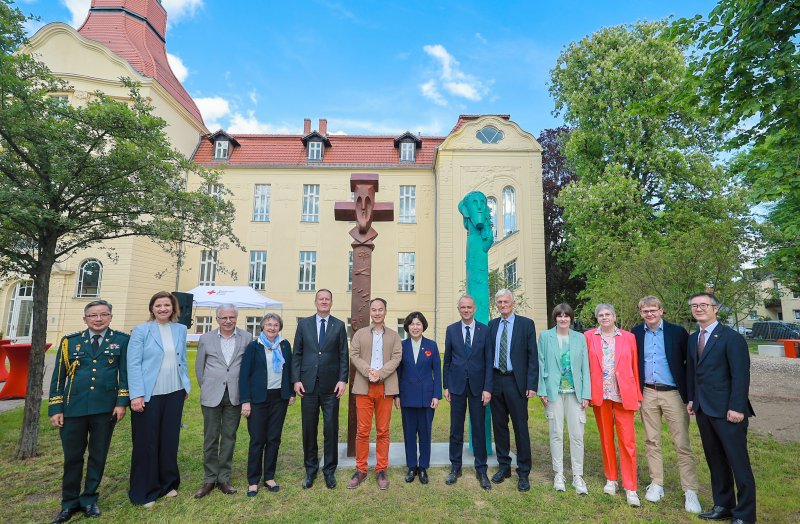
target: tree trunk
<point>29,436</point>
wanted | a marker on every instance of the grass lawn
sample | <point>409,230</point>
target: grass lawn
<point>31,489</point>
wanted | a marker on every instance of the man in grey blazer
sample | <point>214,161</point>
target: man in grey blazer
<point>320,364</point>
<point>219,357</point>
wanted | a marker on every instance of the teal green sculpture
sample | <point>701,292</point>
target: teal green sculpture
<point>478,223</point>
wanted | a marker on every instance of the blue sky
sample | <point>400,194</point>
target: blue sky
<point>373,67</point>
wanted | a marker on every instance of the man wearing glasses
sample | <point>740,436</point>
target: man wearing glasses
<point>219,359</point>
<point>88,396</point>
<point>718,375</point>
<point>662,378</point>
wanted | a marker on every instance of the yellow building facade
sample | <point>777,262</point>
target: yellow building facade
<point>284,188</point>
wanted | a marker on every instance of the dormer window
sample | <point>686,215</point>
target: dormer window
<point>315,151</point>
<point>407,150</point>
<point>408,143</point>
<point>221,150</point>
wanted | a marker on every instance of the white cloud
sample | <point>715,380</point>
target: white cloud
<point>176,9</point>
<point>451,78</point>
<point>180,70</point>
<point>431,92</point>
<point>249,123</point>
<point>253,94</point>
<point>213,109</point>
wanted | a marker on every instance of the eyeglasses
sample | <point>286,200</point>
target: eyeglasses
<point>701,307</point>
<point>94,316</point>
<point>648,312</point>
<point>226,319</point>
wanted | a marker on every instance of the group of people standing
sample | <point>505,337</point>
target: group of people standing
<point>657,369</point>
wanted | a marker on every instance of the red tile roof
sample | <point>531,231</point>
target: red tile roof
<point>463,119</point>
<point>345,150</point>
<point>135,30</point>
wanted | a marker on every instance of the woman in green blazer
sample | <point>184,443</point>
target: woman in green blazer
<point>565,391</point>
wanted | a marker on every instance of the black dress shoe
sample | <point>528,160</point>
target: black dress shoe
<point>91,511</point>
<point>523,484</point>
<point>65,515</point>
<point>330,480</point>
<point>740,521</point>
<point>272,489</point>
<point>501,475</point>
<point>483,479</point>
<point>423,476</point>
<point>717,513</point>
<point>412,472</point>
<point>308,482</point>
<point>452,477</point>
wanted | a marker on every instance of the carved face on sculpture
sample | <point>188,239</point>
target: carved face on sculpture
<point>365,200</point>
<point>477,214</point>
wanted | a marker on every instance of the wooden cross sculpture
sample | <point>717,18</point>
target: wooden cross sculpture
<point>364,210</point>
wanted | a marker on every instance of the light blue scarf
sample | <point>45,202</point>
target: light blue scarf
<point>277,356</point>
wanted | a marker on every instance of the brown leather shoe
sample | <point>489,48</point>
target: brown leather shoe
<point>356,480</point>
<point>205,490</point>
<point>226,488</point>
<point>383,480</point>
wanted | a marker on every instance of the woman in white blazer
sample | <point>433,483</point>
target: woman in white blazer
<point>565,391</point>
<point>158,384</point>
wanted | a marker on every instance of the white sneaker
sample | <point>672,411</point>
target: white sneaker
<point>580,485</point>
<point>692,504</point>
<point>610,487</point>
<point>559,482</point>
<point>654,493</point>
<point>171,493</point>
<point>633,498</point>
<point>149,505</point>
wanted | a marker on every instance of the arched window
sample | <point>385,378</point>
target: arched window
<point>90,276</point>
<point>509,211</point>
<point>491,202</point>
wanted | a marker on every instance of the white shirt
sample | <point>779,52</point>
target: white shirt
<point>376,362</point>
<point>415,345</point>
<point>319,324</point>
<point>228,345</point>
<point>471,331</point>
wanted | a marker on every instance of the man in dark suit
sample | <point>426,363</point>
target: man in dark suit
<point>319,375</point>
<point>512,342</point>
<point>219,359</point>
<point>662,378</point>
<point>88,396</point>
<point>467,381</point>
<point>718,374</point>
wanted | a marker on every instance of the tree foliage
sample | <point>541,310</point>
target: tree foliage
<point>562,286</point>
<point>650,213</point>
<point>74,177</point>
<point>745,72</point>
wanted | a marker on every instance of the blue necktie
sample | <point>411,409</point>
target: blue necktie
<point>321,331</point>
<point>468,341</point>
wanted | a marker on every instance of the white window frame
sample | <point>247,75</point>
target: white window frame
<point>509,211</point>
<point>310,203</point>
<point>491,203</point>
<point>203,324</point>
<point>408,205</point>
<point>253,325</point>
<point>401,330</point>
<point>796,314</point>
<point>510,273</point>
<point>315,150</point>
<point>406,271</point>
<point>753,314</point>
<point>258,270</point>
<point>81,292</point>
<point>262,194</point>
<point>221,149</point>
<point>214,190</point>
<point>408,152</point>
<point>307,280</point>
<point>208,268</point>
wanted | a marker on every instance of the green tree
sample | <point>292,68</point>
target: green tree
<point>74,177</point>
<point>745,72</point>
<point>649,203</point>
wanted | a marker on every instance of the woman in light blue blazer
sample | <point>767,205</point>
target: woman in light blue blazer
<point>565,391</point>
<point>158,382</point>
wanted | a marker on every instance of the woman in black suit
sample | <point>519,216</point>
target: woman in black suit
<point>420,376</point>
<point>266,394</point>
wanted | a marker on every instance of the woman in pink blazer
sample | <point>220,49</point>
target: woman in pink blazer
<point>614,370</point>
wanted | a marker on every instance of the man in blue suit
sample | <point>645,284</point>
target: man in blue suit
<point>718,372</point>
<point>467,381</point>
<point>662,352</point>
<point>515,362</point>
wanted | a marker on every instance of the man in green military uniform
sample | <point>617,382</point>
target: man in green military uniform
<point>88,396</point>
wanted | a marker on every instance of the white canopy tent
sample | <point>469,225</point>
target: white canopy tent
<point>239,296</point>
